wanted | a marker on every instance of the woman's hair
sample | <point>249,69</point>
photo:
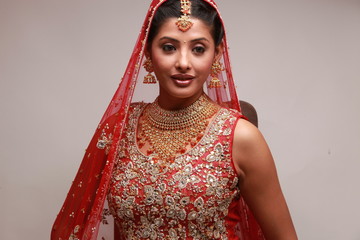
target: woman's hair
<point>199,9</point>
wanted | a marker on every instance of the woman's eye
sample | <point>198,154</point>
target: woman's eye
<point>168,48</point>
<point>199,49</point>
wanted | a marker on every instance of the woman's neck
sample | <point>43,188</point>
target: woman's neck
<point>172,103</point>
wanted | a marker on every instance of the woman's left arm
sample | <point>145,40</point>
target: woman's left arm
<point>259,183</point>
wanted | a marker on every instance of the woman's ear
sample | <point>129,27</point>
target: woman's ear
<point>147,52</point>
<point>219,51</point>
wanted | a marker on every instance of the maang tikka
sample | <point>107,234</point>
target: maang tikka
<point>184,23</point>
<point>149,78</point>
<point>216,69</point>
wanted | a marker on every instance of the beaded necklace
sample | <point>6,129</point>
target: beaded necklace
<point>170,132</point>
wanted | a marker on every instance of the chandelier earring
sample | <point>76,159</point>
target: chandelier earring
<point>149,78</point>
<point>216,69</point>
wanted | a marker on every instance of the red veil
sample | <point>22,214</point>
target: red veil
<point>83,210</point>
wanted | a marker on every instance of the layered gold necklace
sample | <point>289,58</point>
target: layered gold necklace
<point>170,132</point>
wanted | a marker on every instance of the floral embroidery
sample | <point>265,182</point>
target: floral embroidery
<point>188,198</point>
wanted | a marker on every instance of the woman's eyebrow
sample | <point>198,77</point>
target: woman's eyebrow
<point>175,40</point>
<point>169,38</point>
<point>200,39</point>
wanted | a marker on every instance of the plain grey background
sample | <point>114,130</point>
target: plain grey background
<point>297,62</point>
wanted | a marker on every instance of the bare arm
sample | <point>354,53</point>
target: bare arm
<point>259,182</point>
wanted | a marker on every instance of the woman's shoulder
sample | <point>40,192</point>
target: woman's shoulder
<point>134,107</point>
<point>243,128</point>
<point>246,133</point>
<point>250,150</point>
<point>137,105</point>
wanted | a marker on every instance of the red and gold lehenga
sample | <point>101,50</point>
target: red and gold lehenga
<point>195,197</point>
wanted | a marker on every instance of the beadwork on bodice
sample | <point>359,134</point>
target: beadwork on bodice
<point>188,198</point>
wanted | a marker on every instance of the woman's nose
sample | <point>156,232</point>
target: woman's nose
<point>183,61</point>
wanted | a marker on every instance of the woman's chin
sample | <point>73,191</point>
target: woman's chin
<point>182,89</point>
<point>181,95</point>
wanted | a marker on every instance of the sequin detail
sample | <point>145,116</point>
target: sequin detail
<point>105,139</point>
<point>189,198</point>
<point>73,235</point>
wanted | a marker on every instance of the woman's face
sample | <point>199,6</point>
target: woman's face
<point>182,60</point>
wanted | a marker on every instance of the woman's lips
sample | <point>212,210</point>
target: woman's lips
<point>182,76</point>
<point>182,80</point>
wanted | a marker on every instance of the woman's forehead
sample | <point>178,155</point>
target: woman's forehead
<point>198,30</point>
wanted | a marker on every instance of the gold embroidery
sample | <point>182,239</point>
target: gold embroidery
<point>189,198</point>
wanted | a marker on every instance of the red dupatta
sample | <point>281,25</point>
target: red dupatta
<point>82,211</point>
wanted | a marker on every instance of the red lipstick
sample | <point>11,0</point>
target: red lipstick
<point>182,76</point>
<point>182,80</point>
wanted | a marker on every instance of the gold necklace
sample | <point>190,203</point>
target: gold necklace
<point>170,132</point>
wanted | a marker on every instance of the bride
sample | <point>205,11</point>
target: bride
<point>186,166</point>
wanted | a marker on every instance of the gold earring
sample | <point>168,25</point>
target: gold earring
<point>149,78</point>
<point>216,68</point>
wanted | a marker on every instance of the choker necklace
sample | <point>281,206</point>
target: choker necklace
<point>170,132</point>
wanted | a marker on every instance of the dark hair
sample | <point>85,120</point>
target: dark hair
<point>199,9</point>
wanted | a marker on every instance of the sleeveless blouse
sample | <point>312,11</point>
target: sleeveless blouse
<point>194,197</point>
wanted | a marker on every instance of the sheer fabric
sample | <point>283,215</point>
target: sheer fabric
<point>85,206</point>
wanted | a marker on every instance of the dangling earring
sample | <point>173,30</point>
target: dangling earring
<point>149,78</point>
<point>216,68</point>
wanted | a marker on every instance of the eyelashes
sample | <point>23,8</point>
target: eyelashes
<point>199,49</point>
<point>168,48</point>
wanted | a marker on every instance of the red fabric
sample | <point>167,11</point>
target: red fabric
<point>81,213</point>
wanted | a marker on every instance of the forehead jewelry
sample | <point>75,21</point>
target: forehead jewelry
<point>184,23</point>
